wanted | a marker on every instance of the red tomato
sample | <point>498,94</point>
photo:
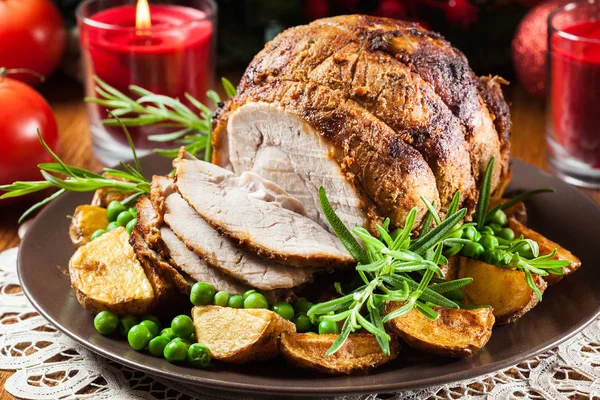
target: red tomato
<point>22,112</point>
<point>32,36</point>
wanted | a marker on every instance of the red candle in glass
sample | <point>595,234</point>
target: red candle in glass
<point>169,53</point>
<point>574,96</point>
<point>576,92</point>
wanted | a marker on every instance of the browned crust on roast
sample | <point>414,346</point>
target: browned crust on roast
<point>306,350</point>
<point>369,153</point>
<point>491,93</point>
<point>438,63</point>
<point>170,287</point>
<point>383,86</point>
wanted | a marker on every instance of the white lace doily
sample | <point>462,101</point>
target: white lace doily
<point>48,365</point>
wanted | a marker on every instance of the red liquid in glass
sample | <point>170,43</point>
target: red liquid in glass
<point>575,95</point>
<point>172,60</point>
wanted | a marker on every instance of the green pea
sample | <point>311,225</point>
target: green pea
<point>176,350</point>
<point>496,228</point>
<point>492,257</point>
<point>182,326</point>
<point>98,233</point>
<point>458,233</point>
<point>186,341</point>
<point>236,301</point>
<point>486,230</point>
<point>198,356</point>
<point>507,233</point>
<point>524,250</point>
<point>285,310</point>
<point>152,326</point>
<point>326,327</point>
<point>489,242</point>
<point>302,305</point>
<point>126,323</point>
<point>112,225</point>
<point>133,212</point>
<point>192,338</point>
<point>498,217</point>
<point>248,293</point>
<point>139,336</point>
<point>256,300</point>
<point>472,250</point>
<point>131,225</point>
<point>113,210</point>
<point>221,298</point>
<point>168,332</point>
<point>106,322</point>
<point>156,346</point>
<point>202,294</point>
<point>152,318</point>
<point>471,233</point>
<point>124,218</point>
<point>302,322</point>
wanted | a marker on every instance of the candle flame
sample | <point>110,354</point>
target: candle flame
<point>142,17</point>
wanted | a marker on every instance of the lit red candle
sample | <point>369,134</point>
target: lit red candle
<point>164,48</point>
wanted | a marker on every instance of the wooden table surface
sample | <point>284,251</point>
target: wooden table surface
<point>65,97</point>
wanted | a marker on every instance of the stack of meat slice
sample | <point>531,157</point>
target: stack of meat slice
<point>379,112</point>
<point>234,232</point>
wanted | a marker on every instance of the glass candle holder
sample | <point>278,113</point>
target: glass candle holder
<point>573,112</point>
<point>172,55</point>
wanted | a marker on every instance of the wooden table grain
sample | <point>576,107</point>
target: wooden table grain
<point>65,97</point>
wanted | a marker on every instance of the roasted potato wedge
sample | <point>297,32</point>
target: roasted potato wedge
<point>456,333</point>
<point>546,247</point>
<point>238,336</point>
<point>518,211</point>
<point>359,353</point>
<point>86,220</point>
<point>504,289</point>
<point>106,275</point>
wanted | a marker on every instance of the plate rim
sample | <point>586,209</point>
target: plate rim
<point>249,388</point>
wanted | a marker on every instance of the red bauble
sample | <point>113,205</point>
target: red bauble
<point>530,47</point>
<point>391,9</point>
<point>316,9</point>
<point>460,12</point>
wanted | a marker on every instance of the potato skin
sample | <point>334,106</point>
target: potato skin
<point>504,289</point>
<point>359,353</point>
<point>106,275</point>
<point>546,247</point>
<point>238,336</point>
<point>86,220</point>
<point>456,333</point>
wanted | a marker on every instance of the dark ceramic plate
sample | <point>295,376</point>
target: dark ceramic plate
<point>568,217</point>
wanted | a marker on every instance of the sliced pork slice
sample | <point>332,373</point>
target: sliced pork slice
<point>328,140</point>
<point>220,252</point>
<point>195,267</point>
<point>161,239</point>
<point>229,204</point>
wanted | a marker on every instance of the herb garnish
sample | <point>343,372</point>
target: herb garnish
<point>190,129</point>
<point>384,267</point>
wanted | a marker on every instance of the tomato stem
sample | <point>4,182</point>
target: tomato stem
<point>4,72</point>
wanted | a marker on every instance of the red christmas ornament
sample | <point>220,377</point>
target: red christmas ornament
<point>391,9</point>
<point>460,12</point>
<point>316,9</point>
<point>530,47</point>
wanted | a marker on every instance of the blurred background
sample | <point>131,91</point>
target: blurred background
<point>487,31</point>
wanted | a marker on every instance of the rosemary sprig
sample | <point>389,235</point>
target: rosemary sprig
<point>385,266</point>
<point>129,180</point>
<point>190,129</point>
